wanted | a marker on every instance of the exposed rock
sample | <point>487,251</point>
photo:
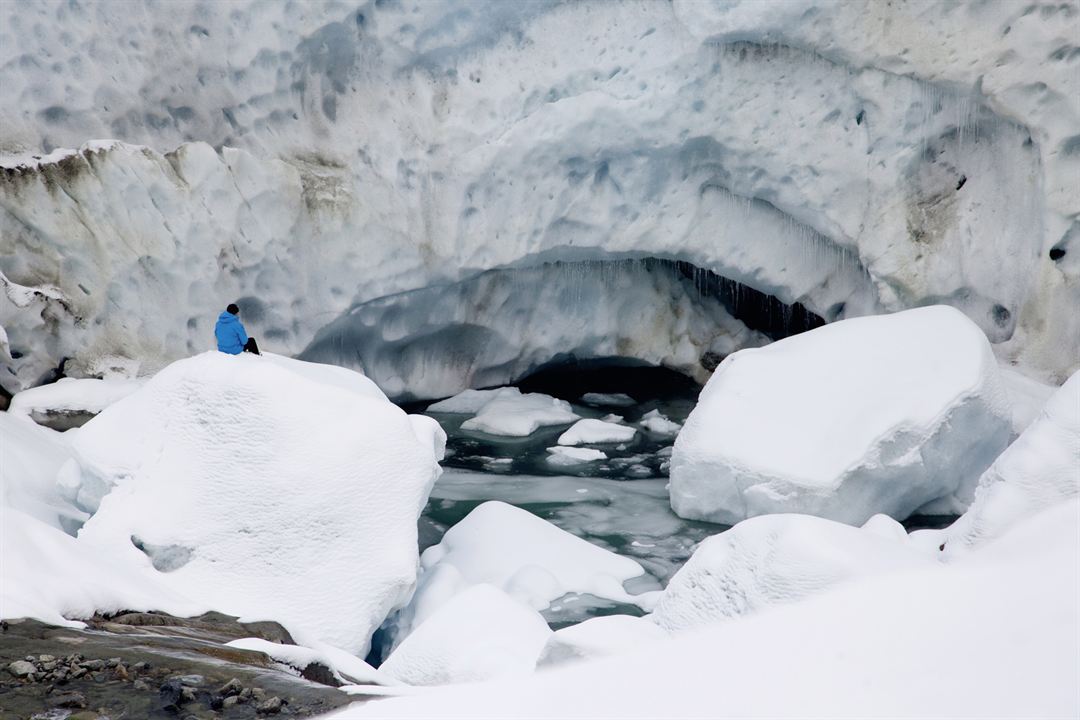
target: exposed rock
<point>21,668</point>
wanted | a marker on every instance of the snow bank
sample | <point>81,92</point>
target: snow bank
<point>264,492</point>
<point>879,414</point>
<point>514,414</point>
<point>865,649</point>
<point>479,634</point>
<point>1041,468</point>
<point>30,460</point>
<point>1026,396</point>
<point>599,637</point>
<point>774,559</point>
<point>48,575</point>
<point>569,456</point>
<point>591,430</point>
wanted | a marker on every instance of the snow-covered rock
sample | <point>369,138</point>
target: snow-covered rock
<point>1041,468</point>
<point>765,561</point>
<point>592,431</point>
<point>870,415</point>
<point>655,422</point>
<point>849,156</point>
<point>265,492</point>
<point>345,667</point>
<point>516,414</point>
<point>526,557</point>
<point>479,634</point>
<point>599,637</point>
<point>72,396</point>
<point>569,456</point>
<point>865,649</point>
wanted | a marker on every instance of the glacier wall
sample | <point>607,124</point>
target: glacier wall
<point>314,158</point>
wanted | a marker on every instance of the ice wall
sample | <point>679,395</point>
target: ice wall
<point>852,157</point>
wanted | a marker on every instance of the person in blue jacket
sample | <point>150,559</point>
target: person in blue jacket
<point>230,333</point>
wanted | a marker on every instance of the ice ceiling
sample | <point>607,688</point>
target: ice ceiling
<point>493,181</point>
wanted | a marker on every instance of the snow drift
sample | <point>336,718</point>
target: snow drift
<point>870,415</point>
<point>265,488</point>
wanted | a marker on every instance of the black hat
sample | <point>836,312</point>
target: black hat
<point>233,309</point>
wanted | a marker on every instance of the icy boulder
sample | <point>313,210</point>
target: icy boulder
<point>480,634</point>
<point>1041,468</point>
<point>266,489</point>
<point>515,414</point>
<point>774,559</point>
<point>877,414</point>
<point>528,558</point>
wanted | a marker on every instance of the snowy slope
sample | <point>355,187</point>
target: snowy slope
<point>850,156</point>
<point>991,635</point>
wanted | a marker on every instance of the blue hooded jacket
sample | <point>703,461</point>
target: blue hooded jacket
<point>230,334</point>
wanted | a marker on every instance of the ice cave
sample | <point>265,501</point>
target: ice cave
<point>539,358</point>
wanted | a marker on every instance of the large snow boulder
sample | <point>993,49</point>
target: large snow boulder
<point>771,560</point>
<point>1041,468</point>
<point>480,634</point>
<point>526,557</point>
<point>876,414</point>
<point>266,488</point>
<point>31,457</point>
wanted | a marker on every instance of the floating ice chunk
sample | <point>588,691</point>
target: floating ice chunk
<point>529,558</point>
<point>567,456</point>
<point>656,423</point>
<point>591,430</point>
<point>297,492</point>
<point>1041,468</point>
<point>514,414</point>
<point>875,414</point>
<point>599,637</point>
<point>345,667</point>
<point>608,399</point>
<point>774,559</point>
<point>470,401</point>
<point>480,634</point>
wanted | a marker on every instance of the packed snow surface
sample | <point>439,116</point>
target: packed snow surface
<point>30,460</point>
<point>265,492</point>
<point>479,634</point>
<point>515,414</point>
<point>871,415</point>
<point>1041,468</point>
<point>592,431</point>
<point>864,649</point>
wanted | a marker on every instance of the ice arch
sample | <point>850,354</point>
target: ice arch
<point>501,325</point>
